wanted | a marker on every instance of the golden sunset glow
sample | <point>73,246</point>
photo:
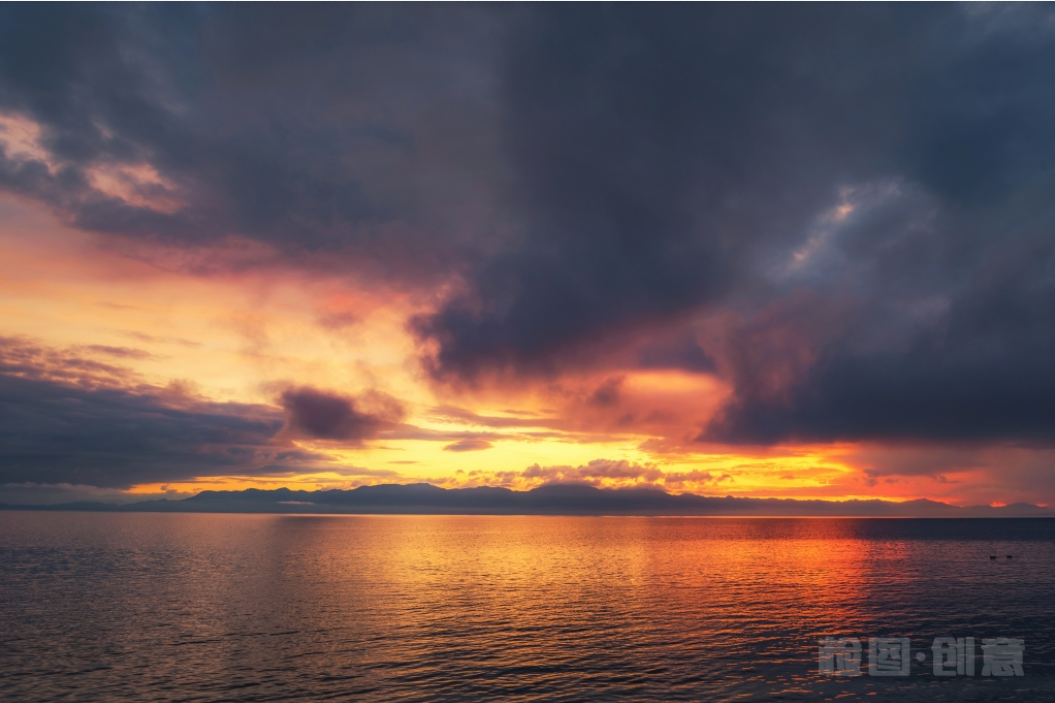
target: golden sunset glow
<point>241,337</point>
<point>163,318</point>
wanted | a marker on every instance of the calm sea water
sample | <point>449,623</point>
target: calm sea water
<point>155,607</point>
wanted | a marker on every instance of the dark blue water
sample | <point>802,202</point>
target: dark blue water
<point>156,607</point>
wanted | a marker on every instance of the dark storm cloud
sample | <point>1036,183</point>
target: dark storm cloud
<point>468,445</point>
<point>982,371</point>
<point>895,166</point>
<point>607,394</point>
<point>315,414</point>
<point>310,128</point>
<point>54,432</point>
<point>684,354</point>
<point>66,419</point>
<point>653,150</point>
<point>864,190</point>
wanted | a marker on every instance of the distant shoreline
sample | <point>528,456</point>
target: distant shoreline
<point>551,500</point>
<point>117,509</point>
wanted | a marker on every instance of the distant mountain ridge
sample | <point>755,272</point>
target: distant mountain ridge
<point>554,499</point>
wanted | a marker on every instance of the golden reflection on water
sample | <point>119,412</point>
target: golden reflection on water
<point>254,607</point>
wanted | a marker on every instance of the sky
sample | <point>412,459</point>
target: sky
<point>798,251</point>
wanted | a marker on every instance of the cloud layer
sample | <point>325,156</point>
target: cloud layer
<point>841,216</point>
<point>315,414</point>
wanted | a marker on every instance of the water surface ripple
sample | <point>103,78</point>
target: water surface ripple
<point>182,607</point>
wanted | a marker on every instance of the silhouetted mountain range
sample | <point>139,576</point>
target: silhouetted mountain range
<point>557,499</point>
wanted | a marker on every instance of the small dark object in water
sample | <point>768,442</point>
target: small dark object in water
<point>991,556</point>
<point>1010,557</point>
